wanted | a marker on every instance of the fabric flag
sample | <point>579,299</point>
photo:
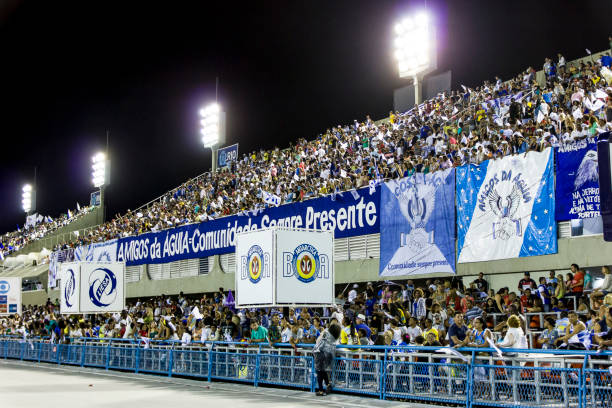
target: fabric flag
<point>588,51</point>
<point>540,116</point>
<point>494,346</point>
<point>355,194</point>
<point>505,208</point>
<point>78,206</point>
<point>69,214</point>
<point>373,185</point>
<point>417,224</point>
<point>1,255</point>
<point>577,190</point>
<point>335,194</point>
<point>601,94</point>
<point>271,199</point>
<point>577,114</point>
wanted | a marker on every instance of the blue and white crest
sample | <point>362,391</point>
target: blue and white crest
<point>102,287</point>
<point>4,286</point>
<point>70,287</point>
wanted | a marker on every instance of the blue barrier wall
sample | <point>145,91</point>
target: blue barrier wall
<point>476,377</point>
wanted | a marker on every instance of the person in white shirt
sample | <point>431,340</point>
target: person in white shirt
<point>413,330</point>
<point>515,336</point>
<point>353,293</point>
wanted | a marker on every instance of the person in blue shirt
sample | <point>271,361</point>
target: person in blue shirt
<point>360,324</point>
<point>544,294</point>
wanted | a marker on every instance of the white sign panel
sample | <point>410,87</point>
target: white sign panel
<point>102,287</point>
<point>10,296</point>
<point>304,267</point>
<point>254,278</point>
<point>70,274</point>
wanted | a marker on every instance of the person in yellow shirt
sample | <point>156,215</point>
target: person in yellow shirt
<point>391,117</point>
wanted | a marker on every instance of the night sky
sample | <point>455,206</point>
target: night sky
<point>72,70</point>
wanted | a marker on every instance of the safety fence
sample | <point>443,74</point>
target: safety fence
<point>470,377</point>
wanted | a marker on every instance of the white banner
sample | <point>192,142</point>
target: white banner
<point>102,287</point>
<point>97,252</point>
<point>10,296</point>
<point>304,267</point>
<point>254,282</point>
<point>70,275</point>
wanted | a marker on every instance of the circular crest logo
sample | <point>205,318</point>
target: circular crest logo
<point>255,258</point>
<point>305,263</point>
<point>69,288</point>
<point>102,287</point>
<point>4,286</point>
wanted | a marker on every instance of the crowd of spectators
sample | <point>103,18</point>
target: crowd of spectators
<point>432,313</point>
<point>464,126</point>
<point>37,229</point>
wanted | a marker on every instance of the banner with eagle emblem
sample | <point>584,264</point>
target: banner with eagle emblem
<point>506,208</point>
<point>577,181</point>
<point>417,224</point>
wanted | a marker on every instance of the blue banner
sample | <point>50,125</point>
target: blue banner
<point>227,155</point>
<point>577,181</point>
<point>505,208</point>
<point>417,227</point>
<point>349,215</point>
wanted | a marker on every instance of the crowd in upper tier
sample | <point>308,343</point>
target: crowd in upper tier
<point>464,126</point>
<point>38,228</point>
<point>565,311</point>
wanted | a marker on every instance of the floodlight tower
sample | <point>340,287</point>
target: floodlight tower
<point>100,177</point>
<point>415,49</point>
<point>213,129</point>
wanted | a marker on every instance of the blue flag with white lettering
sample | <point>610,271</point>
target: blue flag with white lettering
<point>577,181</point>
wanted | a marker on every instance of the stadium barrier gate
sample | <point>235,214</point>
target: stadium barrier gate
<point>475,377</point>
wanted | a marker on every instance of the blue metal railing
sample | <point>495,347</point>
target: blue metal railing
<point>521,378</point>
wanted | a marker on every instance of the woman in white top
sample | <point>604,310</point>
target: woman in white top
<point>515,336</point>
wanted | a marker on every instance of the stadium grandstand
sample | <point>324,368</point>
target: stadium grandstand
<point>522,328</point>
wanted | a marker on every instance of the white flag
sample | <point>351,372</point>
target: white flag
<point>355,194</point>
<point>372,184</point>
<point>271,199</point>
<point>78,207</point>
<point>343,173</point>
<point>577,114</point>
<point>600,94</point>
<point>588,51</point>
<point>597,105</point>
<point>540,116</point>
<point>69,214</point>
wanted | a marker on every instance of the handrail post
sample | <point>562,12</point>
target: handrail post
<point>39,350</point>
<point>582,387</point>
<point>108,349</point>
<point>210,357</point>
<point>470,381</point>
<point>171,361</point>
<point>83,352</point>
<point>312,375</point>
<point>137,359</point>
<point>59,353</point>
<point>383,374</point>
<point>257,362</point>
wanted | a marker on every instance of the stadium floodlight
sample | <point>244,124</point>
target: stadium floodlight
<point>211,124</point>
<point>99,167</point>
<point>415,48</point>
<point>26,198</point>
<point>213,129</point>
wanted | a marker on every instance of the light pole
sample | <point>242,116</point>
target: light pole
<point>415,50</point>
<point>213,129</point>
<point>100,177</point>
